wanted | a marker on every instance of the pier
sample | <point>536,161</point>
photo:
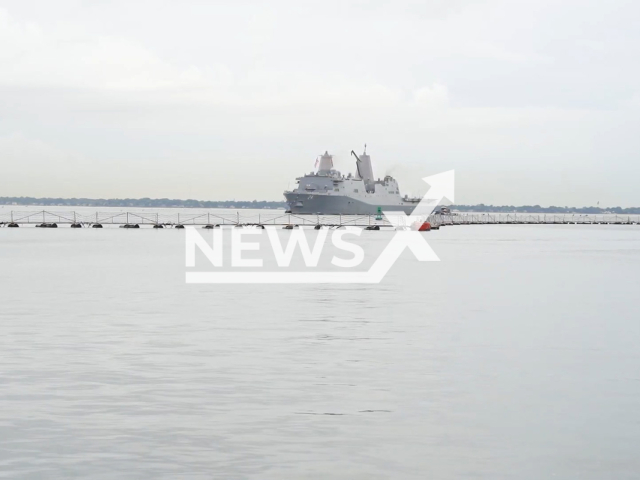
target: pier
<point>150,219</point>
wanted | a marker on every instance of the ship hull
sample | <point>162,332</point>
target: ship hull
<point>304,203</point>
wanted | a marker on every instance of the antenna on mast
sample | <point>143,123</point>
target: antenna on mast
<point>357,163</point>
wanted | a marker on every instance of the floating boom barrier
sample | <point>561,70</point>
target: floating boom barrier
<point>159,220</point>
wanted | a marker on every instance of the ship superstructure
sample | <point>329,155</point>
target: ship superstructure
<point>327,192</point>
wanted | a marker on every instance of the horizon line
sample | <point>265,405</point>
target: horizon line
<point>4,202</point>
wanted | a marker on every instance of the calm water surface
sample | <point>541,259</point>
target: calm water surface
<point>517,356</point>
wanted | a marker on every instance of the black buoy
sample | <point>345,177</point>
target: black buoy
<point>13,225</point>
<point>373,227</point>
<point>76,225</point>
<point>130,225</point>
<point>317,227</point>
<point>288,227</point>
<point>179,226</point>
<point>208,227</point>
<point>96,225</point>
<point>157,225</point>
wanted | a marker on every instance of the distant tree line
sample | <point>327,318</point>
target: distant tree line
<point>174,203</point>
<point>538,209</point>
<point>138,202</point>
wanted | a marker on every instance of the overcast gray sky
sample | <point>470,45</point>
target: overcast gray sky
<point>529,101</point>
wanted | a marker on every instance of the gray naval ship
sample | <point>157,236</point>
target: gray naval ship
<point>328,192</point>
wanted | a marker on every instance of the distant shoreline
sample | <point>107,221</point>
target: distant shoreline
<point>264,204</point>
<point>138,203</point>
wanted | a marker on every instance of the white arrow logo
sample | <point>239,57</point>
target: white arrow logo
<point>441,187</point>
